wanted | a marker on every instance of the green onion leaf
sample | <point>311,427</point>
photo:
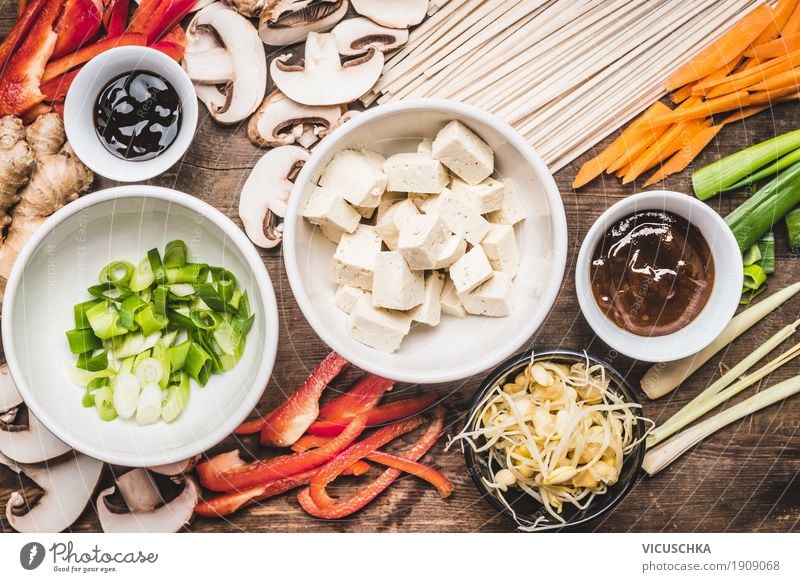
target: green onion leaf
<point>92,363</point>
<point>766,247</point>
<point>189,273</point>
<point>175,254</point>
<point>110,292</point>
<point>176,399</point>
<point>211,297</point>
<point>181,290</point>
<point>82,341</point>
<point>81,321</point>
<point>177,355</point>
<point>159,274</point>
<point>205,319</point>
<point>793,228</point>
<point>754,277</point>
<point>142,276</point>
<point>198,364</point>
<point>150,321</point>
<point>128,311</point>
<point>161,353</point>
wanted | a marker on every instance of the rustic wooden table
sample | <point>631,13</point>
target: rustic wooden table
<point>746,478</point>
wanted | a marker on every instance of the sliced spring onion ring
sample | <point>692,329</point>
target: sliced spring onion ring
<point>149,371</point>
<point>205,319</point>
<point>198,364</point>
<point>117,272</point>
<point>104,403</point>
<point>175,254</point>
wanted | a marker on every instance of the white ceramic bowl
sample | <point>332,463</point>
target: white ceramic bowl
<point>63,258</point>
<point>82,96</point>
<point>721,304</point>
<point>456,348</point>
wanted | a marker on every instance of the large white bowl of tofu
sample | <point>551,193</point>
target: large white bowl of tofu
<point>425,241</point>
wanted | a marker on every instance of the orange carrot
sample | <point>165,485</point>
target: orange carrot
<point>621,172</point>
<point>642,141</point>
<point>773,96</point>
<point>781,13</point>
<point>681,160</point>
<point>744,80</point>
<point>706,108</point>
<point>662,148</point>
<point>744,113</point>
<point>680,95</point>
<point>782,80</point>
<point>594,167</point>
<point>793,24</point>
<point>724,49</point>
<point>777,48</point>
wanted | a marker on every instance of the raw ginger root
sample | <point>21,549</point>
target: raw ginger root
<point>54,178</point>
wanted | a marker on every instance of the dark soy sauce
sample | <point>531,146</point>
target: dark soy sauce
<point>652,273</point>
<point>137,115</point>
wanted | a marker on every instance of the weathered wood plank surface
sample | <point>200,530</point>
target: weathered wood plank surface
<point>745,478</point>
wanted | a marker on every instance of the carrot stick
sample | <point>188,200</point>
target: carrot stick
<point>621,172</point>
<point>594,167</point>
<point>783,80</point>
<point>793,24</point>
<point>744,113</point>
<point>662,148</point>
<point>680,95</point>
<point>681,160</point>
<point>777,48</point>
<point>724,49</point>
<point>773,96</point>
<point>706,108</point>
<point>759,71</point>
<point>642,141</point>
<point>747,79</point>
<point>780,16</point>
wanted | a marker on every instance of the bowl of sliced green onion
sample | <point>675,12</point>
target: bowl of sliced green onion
<point>140,325</point>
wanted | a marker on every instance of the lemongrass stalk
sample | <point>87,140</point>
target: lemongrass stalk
<point>662,378</point>
<point>700,406</point>
<point>664,454</point>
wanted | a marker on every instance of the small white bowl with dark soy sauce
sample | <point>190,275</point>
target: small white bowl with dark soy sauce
<point>659,276</point>
<point>131,113</point>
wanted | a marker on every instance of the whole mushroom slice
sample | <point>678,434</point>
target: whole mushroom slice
<point>169,518</point>
<point>246,7</point>
<point>29,441</point>
<point>392,13</point>
<point>245,89</point>
<point>67,486</point>
<point>280,121</point>
<point>174,469</point>
<point>211,66</point>
<point>355,36</point>
<point>285,22</point>
<point>266,192</point>
<point>9,395</point>
<point>323,79</point>
<point>348,115</point>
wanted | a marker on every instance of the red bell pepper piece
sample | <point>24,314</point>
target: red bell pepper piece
<point>77,25</point>
<point>21,6</point>
<point>307,441</point>
<point>176,35</point>
<point>379,415</point>
<point>142,14</point>
<point>287,423</point>
<point>359,399</point>
<point>362,497</point>
<point>171,49</point>
<point>115,18</point>
<point>231,474</point>
<point>79,57</point>
<point>26,17</point>
<point>24,55</point>
<point>56,89</point>
<point>168,14</point>
<point>357,452</point>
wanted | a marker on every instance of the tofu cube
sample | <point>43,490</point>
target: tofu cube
<point>415,172</point>
<point>325,206</point>
<point>422,239</point>
<point>511,210</point>
<point>459,216</point>
<point>450,303</point>
<point>454,249</point>
<point>485,197</point>
<point>357,176</point>
<point>430,311</point>
<point>492,298</point>
<point>354,260</point>
<point>422,201</point>
<point>388,200</point>
<point>365,211</point>
<point>346,298</point>
<point>500,246</point>
<point>425,146</point>
<point>463,152</point>
<point>392,219</point>
<point>394,285</point>
<point>470,270</point>
<point>378,328</point>
<point>332,233</point>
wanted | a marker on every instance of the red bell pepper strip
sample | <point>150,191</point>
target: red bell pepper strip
<point>379,415</point>
<point>24,57</point>
<point>176,35</point>
<point>79,57</point>
<point>308,441</point>
<point>357,452</point>
<point>115,18</point>
<point>288,418</point>
<point>360,398</point>
<point>56,89</point>
<point>21,6</point>
<point>168,14</point>
<point>240,476</point>
<point>26,17</point>
<point>142,14</point>
<point>366,494</point>
<point>77,25</point>
<point>171,49</point>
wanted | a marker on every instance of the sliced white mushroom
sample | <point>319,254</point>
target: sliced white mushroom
<point>266,192</point>
<point>392,13</point>
<point>9,395</point>
<point>348,115</point>
<point>323,79</point>
<point>281,121</point>
<point>67,487</point>
<point>214,66</point>
<point>355,36</point>
<point>285,22</point>
<point>173,469</point>
<point>234,99</point>
<point>246,7</point>
<point>6,462</point>
<point>30,441</point>
<point>170,517</point>
<point>139,490</point>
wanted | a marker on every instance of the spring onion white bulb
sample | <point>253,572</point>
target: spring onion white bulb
<point>126,389</point>
<point>148,409</point>
<point>149,371</point>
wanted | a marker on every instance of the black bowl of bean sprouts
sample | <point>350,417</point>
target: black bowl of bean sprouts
<point>554,439</point>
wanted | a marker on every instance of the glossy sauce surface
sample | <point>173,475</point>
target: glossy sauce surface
<point>652,273</point>
<point>137,115</point>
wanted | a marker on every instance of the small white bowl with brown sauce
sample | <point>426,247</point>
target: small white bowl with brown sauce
<point>131,113</point>
<point>659,276</point>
